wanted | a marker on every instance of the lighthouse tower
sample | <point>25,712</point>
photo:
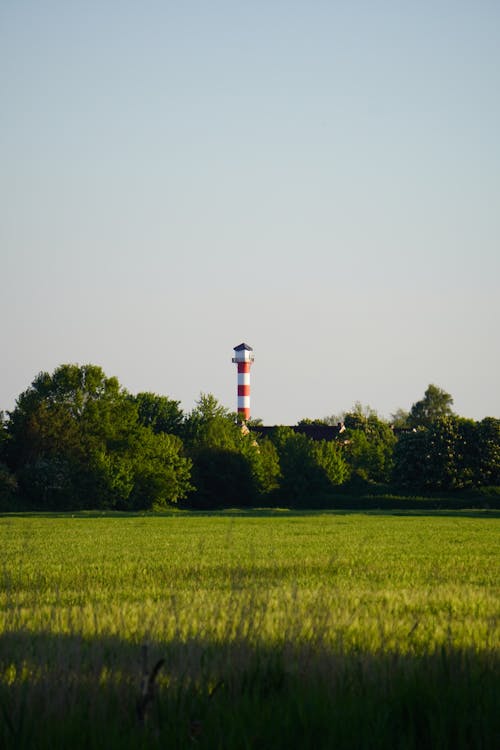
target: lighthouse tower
<point>243,357</point>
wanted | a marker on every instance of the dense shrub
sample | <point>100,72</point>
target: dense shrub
<point>308,467</point>
<point>452,453</point>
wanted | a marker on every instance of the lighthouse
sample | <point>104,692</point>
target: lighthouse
<point>243,358</point>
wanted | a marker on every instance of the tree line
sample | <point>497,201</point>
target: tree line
<point>76,439</point>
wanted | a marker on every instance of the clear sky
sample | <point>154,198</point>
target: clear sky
<point>318,179</point>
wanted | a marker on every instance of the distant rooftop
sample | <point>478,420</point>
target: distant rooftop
<point>314,431</point>
<point>241,347</point>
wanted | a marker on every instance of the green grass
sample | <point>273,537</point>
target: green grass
<point>278,629</point>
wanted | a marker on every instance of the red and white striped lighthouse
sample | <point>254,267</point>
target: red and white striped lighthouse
<point>243,357</point>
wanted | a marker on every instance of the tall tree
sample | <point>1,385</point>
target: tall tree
<point>435,404</point>
<point>230,467</point>
<point>369,444</point>
<point>160,413</point>
<point>399,419</point>
<point>308,467</point>
<point>162,473</point>
<point>446,455</point>
<point>76,441</point>
<point>488,444</point>
<point>361,417</point>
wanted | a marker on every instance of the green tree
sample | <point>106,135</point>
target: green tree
<point>76,441</point>
<point>222,478</point>
<point>311,422</point>
<point>361,417</point>
<point>3,435</point>
<point>62,433</point>
<point>265,464</point>
<point>467,455</point>
<point>8,481</point>
<point>208,408</point>
<point>488,450</point>
<point>210,423</point>
<point>410,459</point>
<point>399,419</point>
<point>308,468</point>
<point>369,444</point>
<point>161,471</point>
<point>8,489</point>
<point>435,404</point>
<point>160,413</point>
<point>443,456</point>
<point>229,467</point>
<point>329,458</point>
<point>370,455</point>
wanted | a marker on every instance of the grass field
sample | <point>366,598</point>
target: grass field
<point>278,630</point>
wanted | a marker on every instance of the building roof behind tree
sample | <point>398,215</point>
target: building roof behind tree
<point>314,431</point>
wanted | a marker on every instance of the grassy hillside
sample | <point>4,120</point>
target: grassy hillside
<point>278,630</point>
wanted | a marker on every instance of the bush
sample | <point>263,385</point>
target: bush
<point>222,478</point>
<point>308,468</point>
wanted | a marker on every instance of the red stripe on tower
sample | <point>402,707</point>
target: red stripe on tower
<point>243,357</point>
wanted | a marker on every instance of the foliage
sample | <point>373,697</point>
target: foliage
<point>452,453</point>
<point>76,441</point>
<point>208,408</point>
<point>162,474</point>
<point>370,456</point>
<point>8,480</point>
<point>3,435</point>
<point>399,419</point>
<point>229,466</point>
<point>223,478</point>
<point>307,467</point>
<point>361,417</point>
<point>265,466</point>
<point>435,404</point>
<point>488,450</point>
<point>441,465</point>
<point>332,420</point>
<point>160,413</point>
<point>8,488</point>
<point>311,422</point>
<point>329,458</point>
<point>410,456</point>
<point>369,444</point>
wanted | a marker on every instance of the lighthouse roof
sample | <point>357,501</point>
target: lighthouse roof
<point>242,347</point>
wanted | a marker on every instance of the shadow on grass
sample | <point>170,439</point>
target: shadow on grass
<point>72,692</point>
<point>485,513</point>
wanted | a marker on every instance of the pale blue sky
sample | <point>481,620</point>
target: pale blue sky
<point>318,179</point>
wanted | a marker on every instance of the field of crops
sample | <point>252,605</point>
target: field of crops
<point>278,630</point>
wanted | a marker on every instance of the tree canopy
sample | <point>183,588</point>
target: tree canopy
<point>77,439</point>
<point>160,413</point>
<point>435,404</point>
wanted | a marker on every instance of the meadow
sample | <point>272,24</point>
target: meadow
<point>277,629</point>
